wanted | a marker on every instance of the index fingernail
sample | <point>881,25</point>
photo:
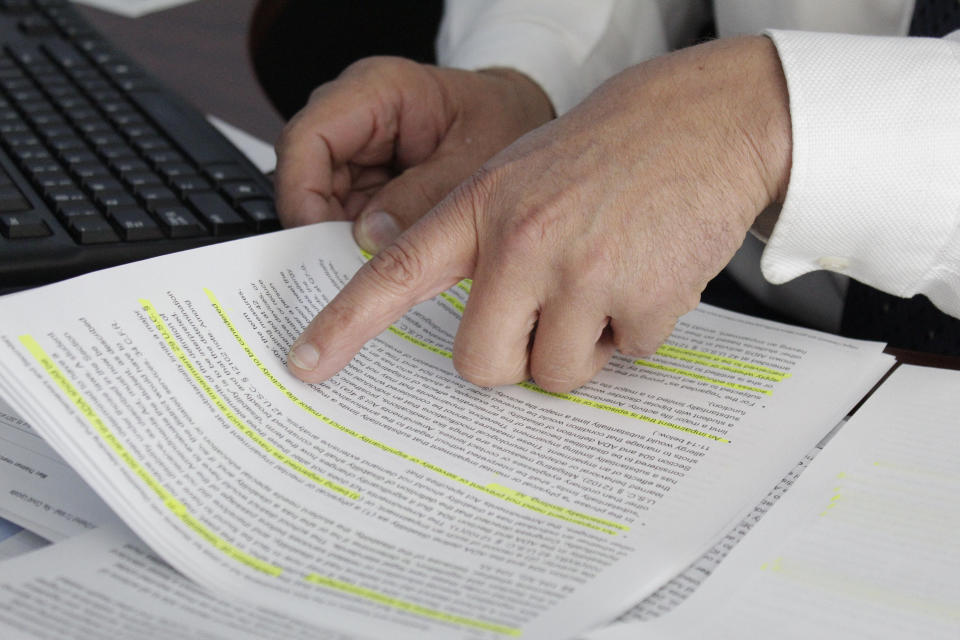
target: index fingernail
<point>376,230</point>
<point>305,356</point>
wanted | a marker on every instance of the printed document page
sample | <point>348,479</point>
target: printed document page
<point>864,545</point>
<point>107,584</point>
<point>396,497</point>
<point>38,489</point>
<point>684,584</point>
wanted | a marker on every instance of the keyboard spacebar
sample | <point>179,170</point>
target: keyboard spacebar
<point>188,129</point>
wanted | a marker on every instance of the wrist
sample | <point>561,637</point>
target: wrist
<point>525,90</point>
<point>765,115</point>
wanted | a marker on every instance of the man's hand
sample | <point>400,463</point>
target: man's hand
<point>594,232</point>
<point>390,135</point>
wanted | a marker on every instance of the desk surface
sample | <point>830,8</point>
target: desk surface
<point>199,50</point>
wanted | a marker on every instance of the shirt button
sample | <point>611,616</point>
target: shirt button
<point>833,263</point>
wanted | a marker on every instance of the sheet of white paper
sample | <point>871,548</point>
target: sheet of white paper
<point>257,151</point>
<point>396,498</point>
<point>38,489</point>
<point>106,584</point>
<point>132,8</point>
<point>864,545</point>
<point>681,587</point>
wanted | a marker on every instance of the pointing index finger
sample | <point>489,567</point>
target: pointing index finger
<point>430,257</point>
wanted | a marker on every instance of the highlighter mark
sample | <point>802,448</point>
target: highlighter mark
<point>410,607</point>
<point>621,411</point>
<point>722,362</point>
<point>831,580</point>
<point>538,506</point>
<point>702,378</point>
<point>231,417</point>
<point>176,507</point>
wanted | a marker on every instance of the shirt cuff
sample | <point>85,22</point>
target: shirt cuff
<point>874,189</point>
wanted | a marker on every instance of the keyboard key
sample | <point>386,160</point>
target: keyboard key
<point>124,165</point>
<point>116,152</point>
<point>51,130</point>
<point>103,94</point>
<point>64,54</point>
<point>25,54</point>
<point>43,119</point>
<point>126,118</point>
<point>104,138</point>
<point>52,180</point>
<point>159,157</point>
<point>170,170</point>
<point>216,213</point>
<point>262,213</point>
<point>225,172</point>
<point>96,185</point>
<point>91,230</point>
<point>26,94</point>
<point>58,195</point>
<point>92,126</point>
<point>36,166</point>
<point>23,140</point>
<point>72,103</point>
<point>65,144</point>
<point>79,155</point>
<point>188,183</point>
<point>23,225</point>
<point>178,222</point>
<point>136,130</point>
<point>155,194</point>
<point>239,191</point>
<point>11,200</point>
<point>36,26</point>
<point>13,126</point>
<point>136,179</point>
<point>148,144</point>
<point>69,210</point>
<point>114,199</point>
<point>135,224</point>
<point>89,170</point>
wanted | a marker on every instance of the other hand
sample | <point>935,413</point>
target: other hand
<point>390,135</point>
<point>593,233</point>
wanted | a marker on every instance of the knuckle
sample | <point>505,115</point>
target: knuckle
<point>634,346</point>
<point>483,372</point>
<point>556,381</point>
<point>397,265</point>
<point>643,342</point>
<point>528,229</point>
<point>591,267</point>
<point>475,194</point>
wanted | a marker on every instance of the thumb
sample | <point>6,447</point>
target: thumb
<point>407,198</point>
<point>431,256</point>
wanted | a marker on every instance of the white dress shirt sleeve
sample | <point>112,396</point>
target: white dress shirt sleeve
<point>874,189</point>
<point>568,47</point>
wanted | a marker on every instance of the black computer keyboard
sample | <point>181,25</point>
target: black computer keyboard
<point>100,164</point>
